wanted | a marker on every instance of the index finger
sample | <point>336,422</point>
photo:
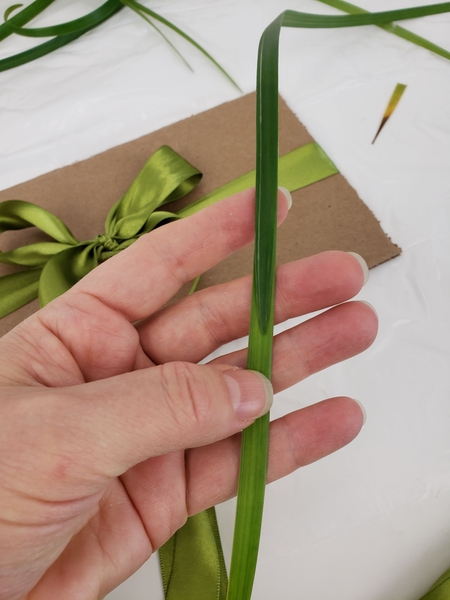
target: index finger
<point>142,278</point>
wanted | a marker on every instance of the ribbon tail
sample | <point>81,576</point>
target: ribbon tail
<point>19,214</point>
<point>18,289</point>
<point>64,270</point>
<point>297,169</point>
<point>192,562</point>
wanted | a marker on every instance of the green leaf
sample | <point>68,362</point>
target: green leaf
<point>254,453</point>
<point>140,8</point>
<point>10,10</point>
<point>82,24</point>
<point>59,41</point>
<point>23,17</point>
<point>391,28</point>
<point>71,30</point>
<point>165,38</point>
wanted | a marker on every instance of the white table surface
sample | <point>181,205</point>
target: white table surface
<point>371,522</point>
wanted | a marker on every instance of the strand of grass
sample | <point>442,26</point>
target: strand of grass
<point>165,38</point>
<point>143,9</point>
<point>24,17</point>
<point>78,24</point>
<point>254,451</point>
<point>194,285</point>
<point>86,22</point>
<point>390,27</point>
<point>27,56</point>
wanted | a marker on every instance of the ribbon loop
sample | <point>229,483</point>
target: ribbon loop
<point>18,214</point>
<point>165,177</point>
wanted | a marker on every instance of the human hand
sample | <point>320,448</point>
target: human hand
<point>111,434</point>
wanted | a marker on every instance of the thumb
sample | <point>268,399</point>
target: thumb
<point>126,419</point>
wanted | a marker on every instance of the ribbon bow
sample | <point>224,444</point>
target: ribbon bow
<point>54,266</point>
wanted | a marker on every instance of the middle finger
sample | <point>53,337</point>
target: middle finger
<point>197,325</point>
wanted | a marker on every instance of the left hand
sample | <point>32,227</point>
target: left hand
<point>111,434</point>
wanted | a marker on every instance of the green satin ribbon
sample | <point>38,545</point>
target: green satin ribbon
<point>440,590</point>
<point>55,266</point>
<point>192,563</point>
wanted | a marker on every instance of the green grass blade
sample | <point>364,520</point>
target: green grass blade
<point>194,285</point>
<point>143,9</point>
<point>87,22</point>
<point>254,452</point>
<point>312,21</point>
<point>50,46</point>
<point>391,28</point>
<point>165,38</point>
<point>23,17</point>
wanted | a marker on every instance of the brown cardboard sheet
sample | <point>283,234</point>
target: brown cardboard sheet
<point>221,143</point>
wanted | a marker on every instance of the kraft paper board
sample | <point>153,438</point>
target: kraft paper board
<point>221,143</point>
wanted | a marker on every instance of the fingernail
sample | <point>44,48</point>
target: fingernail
<point>363,410</point>
<point>251,393</point>
<point>287,194</point>
<point>369,305</point>
<point>363,264</point>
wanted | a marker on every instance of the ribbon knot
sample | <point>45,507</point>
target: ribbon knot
<point>52,267</point>
<point>107,243</point>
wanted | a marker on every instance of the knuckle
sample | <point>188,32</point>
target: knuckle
<point>187,394</point>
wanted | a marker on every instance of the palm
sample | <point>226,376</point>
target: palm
<point>108,493</point>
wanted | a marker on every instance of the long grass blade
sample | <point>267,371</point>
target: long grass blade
<point>254,452</point>
<point>165,38</point>
<point>390,27</point>
<point>27,56</point>
<point>143,9</point>
<point>87,22</point>
<point>24,17</point>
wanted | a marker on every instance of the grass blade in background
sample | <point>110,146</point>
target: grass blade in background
<point>390,27</point>
<point>87,22</point>
<point>71,30</point>
<point>103,13</point>
<point>254,452</point>
<point>140,8</point>
<point>24,16</point>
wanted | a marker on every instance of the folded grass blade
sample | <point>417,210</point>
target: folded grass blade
<point>104,12</point>
<point>254,452</point>
<point>87,22</point>
<point>23,17</point>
